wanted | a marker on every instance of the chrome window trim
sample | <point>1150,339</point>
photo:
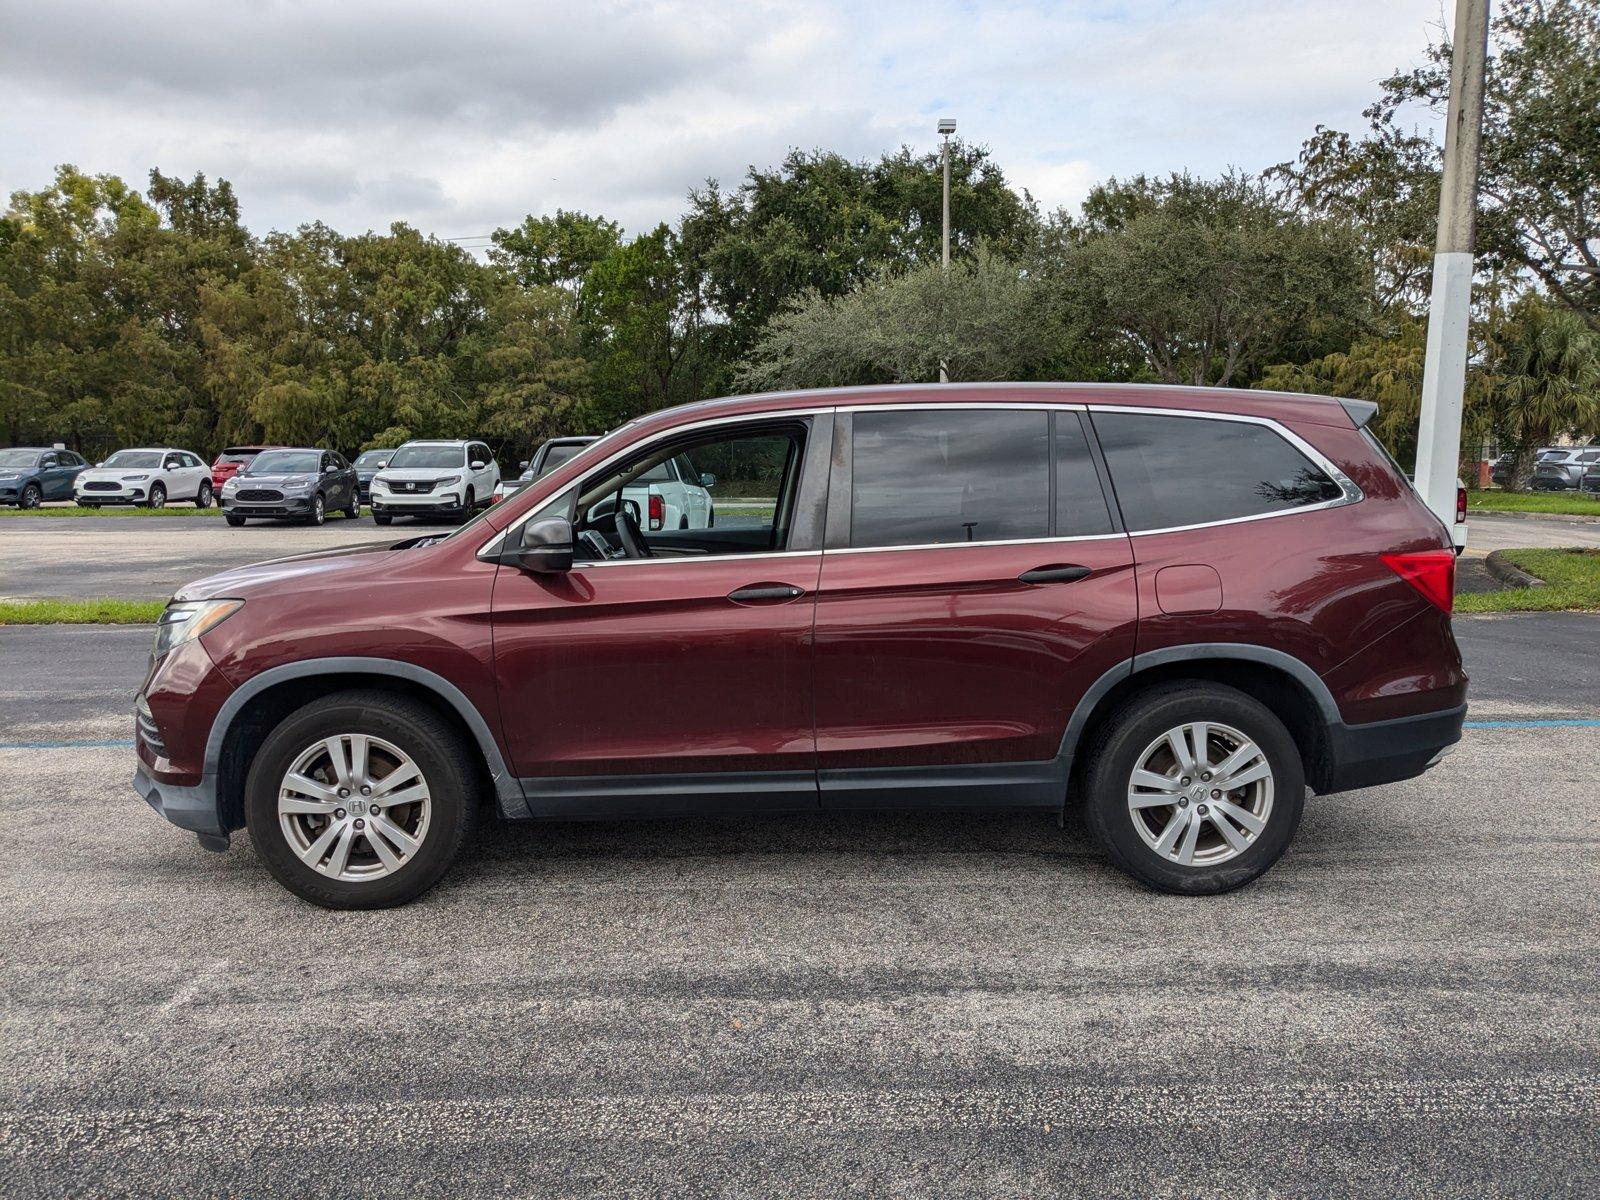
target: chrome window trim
<point>1352,492</point>
<point>491,548</point>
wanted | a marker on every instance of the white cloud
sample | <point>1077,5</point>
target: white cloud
<point>459,117</point>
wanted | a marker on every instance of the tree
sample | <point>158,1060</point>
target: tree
<point>1208,281</point>
<point>1539,177</point>
<point>821,223</point>
<point>1542,380</point>
<point>988,320</point>
<point>556,251</point>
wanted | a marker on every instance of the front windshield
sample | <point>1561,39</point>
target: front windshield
<point>371,458</point>
<point>134,458</point>
<point>427,457</point>
<point>18,458</point>
<point>284,462</point>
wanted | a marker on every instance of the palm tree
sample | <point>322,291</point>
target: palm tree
<point>1543,380</point>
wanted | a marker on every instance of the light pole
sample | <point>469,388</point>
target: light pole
<point>947,126</point>
<point>1444,370</point>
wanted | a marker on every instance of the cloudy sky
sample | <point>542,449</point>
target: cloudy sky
<point>463,115</point>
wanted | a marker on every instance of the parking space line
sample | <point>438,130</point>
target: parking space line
<point>121,745</point>
<point>1573,723</point>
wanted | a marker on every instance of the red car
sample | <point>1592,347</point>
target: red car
<point>230,461</point>
<point>1176,608</point>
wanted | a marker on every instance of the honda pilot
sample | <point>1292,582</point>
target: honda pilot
<point>1176,610</point>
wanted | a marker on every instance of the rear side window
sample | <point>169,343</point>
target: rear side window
<point>1080,500</point>
<point>932,476</point>
<point>1174,471</point>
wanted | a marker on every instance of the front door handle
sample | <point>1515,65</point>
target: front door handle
<point>1055,573</point>
<point>757,593</point>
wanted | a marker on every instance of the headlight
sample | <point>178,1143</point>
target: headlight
<point>380,485</point>
<point>447,481</point>
<point>185,622</point>
<point>231,483</point>
<point>133,478</point>
<point>294,485</point>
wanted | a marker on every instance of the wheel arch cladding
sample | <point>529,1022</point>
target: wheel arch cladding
<point>262,701</point>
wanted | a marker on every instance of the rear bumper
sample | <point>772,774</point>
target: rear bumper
<point>1378,752</point>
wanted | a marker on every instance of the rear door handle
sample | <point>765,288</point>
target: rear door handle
<point>757,593</point>
<point>1055,573</point>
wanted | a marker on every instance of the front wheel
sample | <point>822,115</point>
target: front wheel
<point>319,510</point>
<point>203,497</point>
<point>158,496</point>
<point>381,518</point>
<point>234,520</point>
<point>1194,788</point>
<point>362,799</point>
<point>31,497</point>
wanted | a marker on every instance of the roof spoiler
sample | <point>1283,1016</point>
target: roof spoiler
<point>1361,411</point>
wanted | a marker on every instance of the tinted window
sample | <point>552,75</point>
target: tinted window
<point>371,458</point>
<point>925,476</point>
<point>1080,501</point>
<point>1171,471</point>
<point>557,455</point>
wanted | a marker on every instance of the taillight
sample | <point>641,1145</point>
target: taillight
<point>1431,572</point>
<point>1461,504</point>
<point>658,511</point>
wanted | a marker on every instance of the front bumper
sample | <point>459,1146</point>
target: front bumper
<point>391,504</point>
<point>192,808</point>
<point>126,494</point>
<point>289,506</point>
<point>1360,756</point>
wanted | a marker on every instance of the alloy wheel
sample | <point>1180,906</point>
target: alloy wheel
<point>1201,794</point>
<point>354,807</point>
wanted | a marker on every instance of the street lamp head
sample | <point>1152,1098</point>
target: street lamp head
<point>947,125</point>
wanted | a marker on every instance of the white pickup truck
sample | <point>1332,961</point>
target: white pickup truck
<point>672,495</point>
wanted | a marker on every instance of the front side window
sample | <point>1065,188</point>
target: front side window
<point>937,476</point>
<point>1171,471</point>
<point>748,511</point>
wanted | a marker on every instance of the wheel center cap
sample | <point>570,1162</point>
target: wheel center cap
<point>357,808</point>
<point>1197,793</point>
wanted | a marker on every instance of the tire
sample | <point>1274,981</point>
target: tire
<point>469,505</point>
<point>31,497</point>
<point>204,496</point>
<point>352,511</point>
<point>442,822</point>
<point>233,520</point>
<point>1134,737</point>
<point>157,497</point>
<point>683,521</point>
<point>319,510</point>
<point>87,504</point>
<point>711,518</point>
<point>381,518</point>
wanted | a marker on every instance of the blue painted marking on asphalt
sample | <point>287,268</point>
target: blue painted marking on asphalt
<point>1571,724</point>
<point>127,745</point>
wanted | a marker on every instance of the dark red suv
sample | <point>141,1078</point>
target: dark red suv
<point>1175,608</point>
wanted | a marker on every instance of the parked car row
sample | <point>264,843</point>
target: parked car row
<point>452,478</point>
<point>1556,468</point>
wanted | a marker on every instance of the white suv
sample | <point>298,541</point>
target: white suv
<point>428,478</point>
<point>149,477</point>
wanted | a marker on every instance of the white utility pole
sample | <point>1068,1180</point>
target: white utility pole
<point>1444,372</point>
<point>947,126</point>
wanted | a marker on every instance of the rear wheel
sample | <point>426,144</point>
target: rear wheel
<point>353,509</point>
<point>1194,788</point>
<point>361,800</point>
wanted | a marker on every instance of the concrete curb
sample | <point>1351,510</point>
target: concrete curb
<point>1508,573</point>
<point>1566,518</point>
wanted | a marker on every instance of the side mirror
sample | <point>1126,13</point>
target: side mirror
<point>707,479</point>
<point>523,465</point>
<point>383,464</point>
<point>329,469</point>
<point>171,464</point>
<point>101,463</point>
<point>545,548</point>
<point>478,466</point>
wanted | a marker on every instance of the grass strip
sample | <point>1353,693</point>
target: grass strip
<point>80,612</point>
<point>1571,576</point>
<point>1565,503</point>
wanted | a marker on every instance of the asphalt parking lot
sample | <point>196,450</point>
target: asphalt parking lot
<point>925,1005</point>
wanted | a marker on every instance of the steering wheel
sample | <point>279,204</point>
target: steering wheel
<point>630,535</point>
